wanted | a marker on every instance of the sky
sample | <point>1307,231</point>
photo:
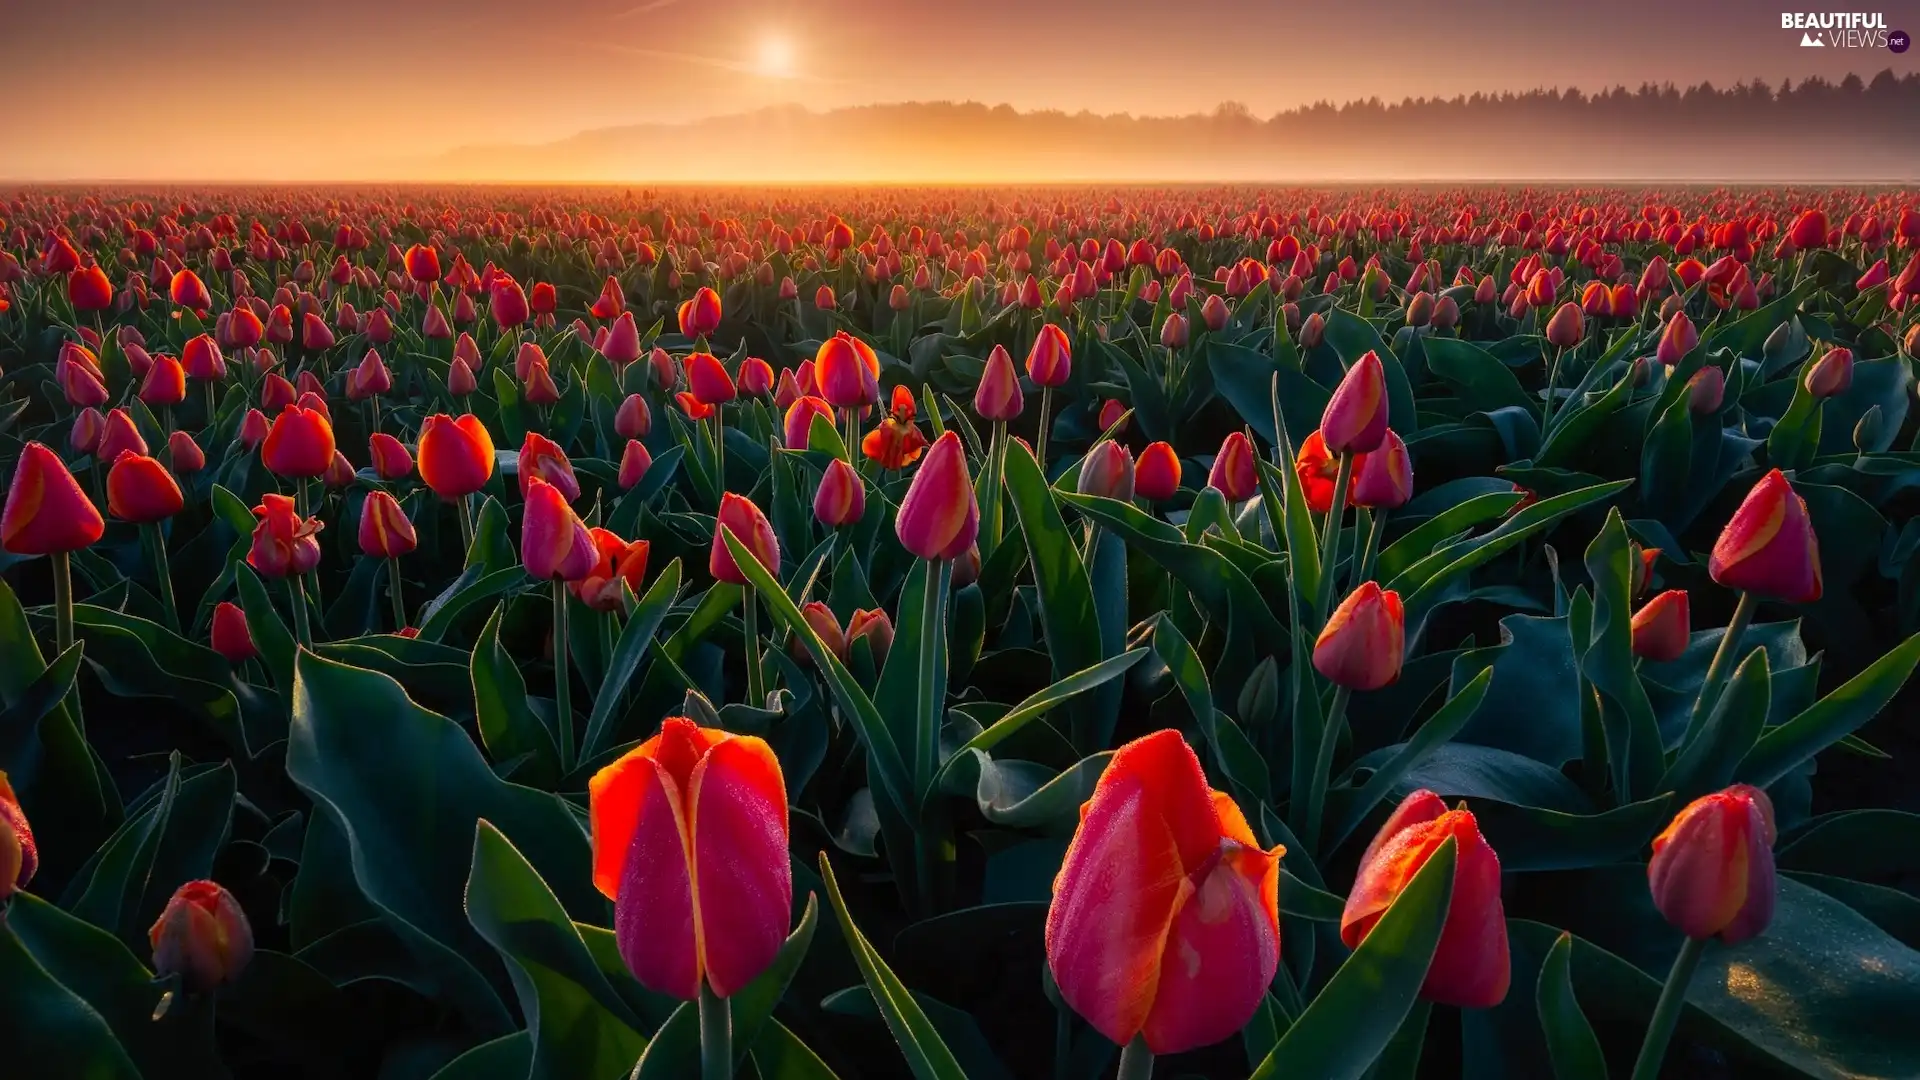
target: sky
<point>245,89</point>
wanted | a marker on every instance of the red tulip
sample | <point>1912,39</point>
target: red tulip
<point>1355,419</point>
<point>140,490</point>
<point>385,532</point>
<point>1173,331</point>
<point>203,937</point>
<point>19,856</point>
<point>1213,312</point>
<point>841,498</point>
<point>1660,627</point>
<point>893,445</point>
<point>202,360</point>
<point>708,379</point>
<point>622,346</point>
<point>1156,476</point>
<point>1107,470</point>
<point>542,459</point>
<point>1705,390</point>
<point>1361,646</point>
<point>756,377</point>
<point>690,841</point>
<point>1677,339</point>
<point>185,454</point>
<point>1050,361</point>
<point>89,290</point>
<point>797,426</point>
<point>46,511</point>
<point>231,636</point>
<point>939,517</point>
<point>82,387</point>
<point>700,316</point>
<point>1831,374</point>
<point>1769,547</point>
<point>611,301</point>
<point>300,443</point>
<point>1165,915</point>
<point>543,299</point>
<point>423,264</point>
<point>165,384</point>
<point>634,463</point>
<point>390,459</point>
<point>455,456</point>
<point>460,380</point>
<point>120,434</point>
<point>283,543</point>
<point>253,429</point>
<point>619,563</point>
<point>188,291</point>
<point>1470,968</point>
<point>739,515</point>
<point>634,419</point>
<point>1809,230</point>
<point>820,618</point>
<point>1382,479</point>
<point>999,397</point>
<point>847,371</point>
<point>370,378</point>
<point>1712,871</point>
<point>1233,469</point>
<point>89,425</point>
<point>693,407</point>
<point>554,542</point>
<point>508,304</point>
<point>315,334</point>
<point>244,328</point>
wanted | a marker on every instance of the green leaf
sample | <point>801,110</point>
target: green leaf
<point>1477,376</point>
<point>579,1026</point>
<point>1067,610</point>
<point>1439,729</point>
<point>505,1058</point>
<point>1296,525</point>
<point>1710,760</point>
<point>53,1034</point>
<point>1357,1013</point>
<point>634,641</point>
<point>173,841</point>
<point>778,1054</point>
<point>1421,540</point>
<point>438,617</point>
<point>270,634</point>
<point>509,730</point>
<point>927,1055</point>
<point>1635,748</point>
<point>1841,713</point>
<point>1570,1039</point>
<point>1233,755</point>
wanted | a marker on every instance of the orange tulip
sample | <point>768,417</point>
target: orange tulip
<point>847,371</point>
<point>542,459</point>
<point>739,515</point>
<point>634,463</point>
<point>693,407</point>
<point>46,511</point>
<point>554,542</point>
<point>1156,476</point>
<point>1318,473</point>
<point>1355,420</point>
<point>700,315</point>
<point>1233,468</point>
<point>188,291</point>
<point>893,445</point>
<point>1470,967</point>
<point>283,543</point>
<point>385,532</point>
<point>1050,361</point>
<point>19,856</point>
<point>140,490</point>
<point>1769,547</point>
<point>299,445</point>
<point>1165,919</point>
<point>231,637</point>
<point>1364,639</point>
<point>1677,339</point>
<point>842,496</point>
<point>939,517</point>
<point>455,456</point>
<point>756,377</point>
<point>1712,871</point>
<point>708,379</point>
<point>690,842</point>
<point>203,937</point>
<point>617,563</point>
<point>999,397</point>
<point>1660,627</point>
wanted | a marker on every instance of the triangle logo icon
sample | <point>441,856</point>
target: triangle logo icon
<point>1808,41</point>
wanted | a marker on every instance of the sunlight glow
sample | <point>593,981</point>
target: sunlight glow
<point>776,58</point>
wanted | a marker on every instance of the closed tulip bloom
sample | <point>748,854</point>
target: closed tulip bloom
<point>634,418</point>
<point>1362,644</point>
<point>370,378</point>
<point>939,517</point>
<point>543,299</point>
<point>708,379</point>
<point>1383,479</point>
<point>202,936</point>
<point>89,425</point>
<point>554,542</point>
<point>1831,374</point>
<point>185,454</point>
<point>798,423</point>
<point>390,459</point>
<point>1712,871</point>
<point>1233,469</point>
<point>847,372</point>
<point>253,429</point>
<point>875,627</point>
<point>1050,361</point>
<point>1156,476</point>
<point>508,304</point>
<point>1769,547</point>
<point>634,463</point>
<point>423,264</point>
<point>740,516</point>
<point>89,290</point>
<point>385,532</point>
<point>842,496</point>
<point>999,397</point>
<point>611,301</point>
<point>690,841</point>
<point>663,372</point>
<point>188,291</point>
<point>315,334</point>
<point>82,388</point>
<point>283,543</point>
<point>620,565</point>
<point>202,360</point>
<point>165,384</point>
<point>1107,470</point>
<point>1165,915</point>
<point>19,855</point>
<point>46,511</point>
<point>1809,230</point>
<point>244,328</point>
<point>1173,331</point>
<point>140,490</point>
<point>120,434</point>
<point>823,298</point>
<point>1567,326</point>
<point>276,393</point>
<point>622,346</point>
<point>756,377</point>
<point>1677,339</point>
<point>1355,420</point>
<point>820,619</point>
<point>1705,390</point>
<point>542,459</point>
<point>455,456</point>
<point>1213,312</point>
<point>1470,966</point>
<point>1660,627</point>
<point>231,636</point>
<point>299,445</point>
<point>700,315</point>
<point>540,388</point>
<point>460,379</point>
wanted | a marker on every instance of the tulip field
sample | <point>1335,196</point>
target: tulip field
<point>577,633</point>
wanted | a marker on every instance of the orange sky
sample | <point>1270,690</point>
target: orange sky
<point>273,89</point>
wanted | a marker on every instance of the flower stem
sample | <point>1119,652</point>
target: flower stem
<point>719,452</point>
<point>716,1036</point>
<point>1546,409</point>
<point>995,503</point>
<point>393,591</point>
<point>927,713</point>
<point>1666,1014</point>
<point>1046,406</point>
<point>297,592</point>
<point>164,579</point>
<point>562,688</point>
<point>62,602</point>
<point>1136,1061</point>
<point>1323,761</point>
<point>756,679</point>
<point>1376,531</point>
<point>1723,658</point>
<point>466,525</point>
<point>1330,535</point>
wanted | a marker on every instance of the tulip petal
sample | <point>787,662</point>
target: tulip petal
<point>744,880</point>
<point>654,915</point>
<point>1221,953</point>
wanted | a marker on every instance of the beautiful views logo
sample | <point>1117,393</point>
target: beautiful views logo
<point>1840,29</point>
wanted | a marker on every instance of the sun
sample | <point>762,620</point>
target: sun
<point>776,57</point>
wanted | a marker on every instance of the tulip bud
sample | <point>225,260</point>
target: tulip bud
<point>554,542</point>
<point>700,316</point>
<point>390,459</point>
<point>842,496</point>
<point>1420,309</point>
<point>1567,326</point>
<point>19,855</point>
<point>165,384</point>
<point>1705,390</point>
<point>1156,476</point>
<point>999,396</point>
<point>634,419</point>
<point>385,532</point>
<point>689,835</point>
<point>1677,339</point>
<point>634,463</point>
<point>847,371</point>
<point>939,517</point>
<point>455,456</point>
<point>1107,470</point>
<point>140,490</point>
<point>202,360</point>
<point>231,636</point>
<point>1173,331</point>
<point>820,619</point>
<point>1660,627</point>
<point>739,515</point>
<point>1164,923</point>
<point>1363,642</point>
<point>253,429</point>
<point>1712,870</point>
<point>1470,966</point>
<point>1355,419</point>
<point>708,379</point>
<point>203,937</point>
<point>1769,547</point>
<point>46,512</point>
<point>1831,374</point>
<point>1050,361</point>
<point>89,424</point>
<point>1312,331</point>
<point>756,377</point>
<point>876,628</point>
<point>1866,433</point>
<point>1214,312</point>
<point>1383,479</point>
<point>1233,469</point>
<point>300,444</point>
